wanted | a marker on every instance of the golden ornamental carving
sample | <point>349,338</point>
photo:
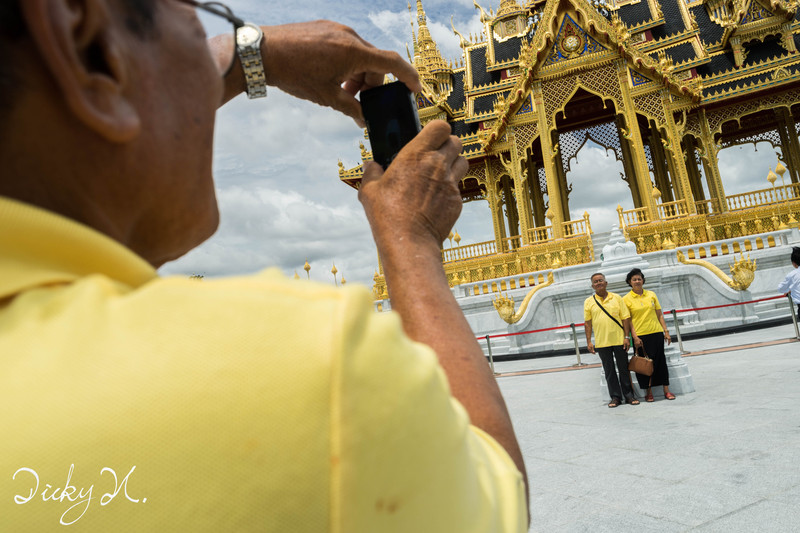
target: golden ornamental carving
<point>743,271</point>
<point>505,305</point>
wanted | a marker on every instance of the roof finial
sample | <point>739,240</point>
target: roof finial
<point>421,18</point>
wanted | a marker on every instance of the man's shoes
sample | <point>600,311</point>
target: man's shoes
<point>632,400</point>
<point>614,403</point>
<point>649,397</point>
<point>669,396</point>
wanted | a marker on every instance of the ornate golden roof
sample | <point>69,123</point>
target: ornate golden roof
<point>508,7</point>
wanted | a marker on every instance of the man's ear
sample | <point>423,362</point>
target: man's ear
<point>83,49</point>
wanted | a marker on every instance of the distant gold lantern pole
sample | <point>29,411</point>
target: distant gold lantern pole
<point>656,194</point>
<point>307,268</point>
<point>781,170</point>
<point>334,272</point>
<point>771,177</point>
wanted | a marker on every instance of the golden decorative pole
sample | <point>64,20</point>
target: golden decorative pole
<point>307,268</point>
<point>771,177</point>
<point>334,271</point>
<point>781,170</point>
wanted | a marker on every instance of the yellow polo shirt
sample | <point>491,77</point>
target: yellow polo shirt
<point>606,331</point>
<point>643,312</point>
<point>132,402</point>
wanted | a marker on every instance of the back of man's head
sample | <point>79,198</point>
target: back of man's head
<point>796,256</point>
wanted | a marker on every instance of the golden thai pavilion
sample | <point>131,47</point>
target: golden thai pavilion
<point>664,84</point>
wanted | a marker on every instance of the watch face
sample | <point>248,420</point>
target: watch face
<point>571,43</point>
<point>247,35</point>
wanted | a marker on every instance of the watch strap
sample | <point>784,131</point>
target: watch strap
<point>253,67</point>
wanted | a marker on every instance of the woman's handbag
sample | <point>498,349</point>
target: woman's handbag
<point>641,365</point>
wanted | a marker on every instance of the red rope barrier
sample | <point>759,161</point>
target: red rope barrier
<point>526,332</point>
<point>583,323</point>
<point>728,305</point>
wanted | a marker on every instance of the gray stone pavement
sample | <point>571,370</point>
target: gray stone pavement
<point>724,458</point>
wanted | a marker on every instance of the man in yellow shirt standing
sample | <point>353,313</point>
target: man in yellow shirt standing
<point>132,402</point>
<point>607,316</point>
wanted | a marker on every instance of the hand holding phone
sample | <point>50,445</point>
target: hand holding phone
<point>392,120</point>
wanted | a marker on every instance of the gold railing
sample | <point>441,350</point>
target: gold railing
<point>702,228</point>
<point>633,217</point>
<point>542,234</point>
<point>774,195</point>
<point>482,262</point>
<point>469,251</point>
<point>707,207</point>
<point>581,226</point>
<point>536,257</point>
<point>672,210</point>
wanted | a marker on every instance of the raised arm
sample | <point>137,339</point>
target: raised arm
<point>411,209</point>
<point>323,62</point>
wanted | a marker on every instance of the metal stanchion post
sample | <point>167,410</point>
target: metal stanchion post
<point>577,350</point>
<point>677,330</point>
<point>491,359</point>
<point>794,316</point>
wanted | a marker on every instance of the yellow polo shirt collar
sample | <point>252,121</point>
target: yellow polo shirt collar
<point>38,247</point>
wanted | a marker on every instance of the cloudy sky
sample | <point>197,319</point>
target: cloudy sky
<point>280,197</point>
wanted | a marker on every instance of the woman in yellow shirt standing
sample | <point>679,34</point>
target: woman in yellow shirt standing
<point>649,326</point>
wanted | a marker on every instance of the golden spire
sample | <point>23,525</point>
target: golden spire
<point>427,59</point>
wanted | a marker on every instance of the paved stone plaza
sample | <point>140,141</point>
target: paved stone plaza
<point>725,458</point>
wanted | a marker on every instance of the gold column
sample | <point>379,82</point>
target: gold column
<point>789,143</point>
<point>520,177</point>
<point>511,208</point>
<point>680,177</point>
<point>639,159</point>
<point>628,164</point>
<point>536,194</point>
<point>498,223</point>
<point>562,181</point>
<point>660,166</point>
<point>695,180</point>
<point>553,187</point>
<point>710,158</point>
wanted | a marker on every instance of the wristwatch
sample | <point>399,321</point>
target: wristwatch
<point>248,46</point>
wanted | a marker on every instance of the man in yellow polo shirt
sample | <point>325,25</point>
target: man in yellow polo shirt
<point>132,402</point>
<point>607,316</point>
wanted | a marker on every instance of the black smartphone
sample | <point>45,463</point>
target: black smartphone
<point>392,119</point>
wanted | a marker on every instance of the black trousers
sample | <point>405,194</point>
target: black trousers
<point>653,344</point>
<point>617,388</point>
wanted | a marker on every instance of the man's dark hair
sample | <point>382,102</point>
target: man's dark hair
<point>139,19</point>
<point>796,255</point>
<point>634,272</point>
